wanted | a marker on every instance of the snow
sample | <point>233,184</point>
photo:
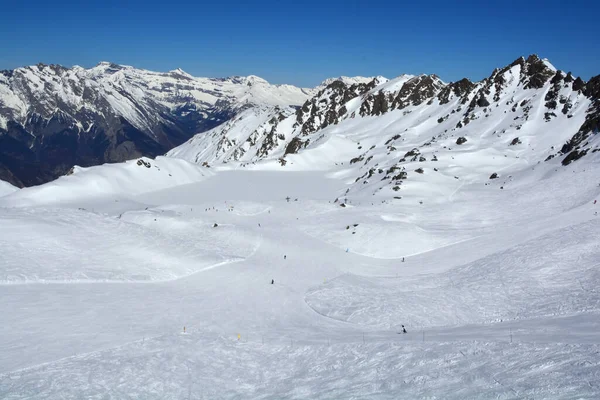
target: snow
<point>549,64</point>
<point>130,92</point>
<point>348,80</point>
<point>513,112</point>
<point>6,188</point>
<point>111,182</point>
<point>101,270</point>
<point>494,279</point>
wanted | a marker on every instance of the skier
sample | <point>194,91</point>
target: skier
<point>402,259</point>
<point>284,257</point>
<point>403,329</point>
<point>272,281</point>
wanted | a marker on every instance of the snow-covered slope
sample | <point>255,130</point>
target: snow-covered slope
<point>52,117</point>
<point>6,188</point>
<point>412,129</point>
<point>495,287</point>
<point>119,181</point>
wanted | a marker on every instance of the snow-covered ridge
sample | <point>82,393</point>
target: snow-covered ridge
<point>29,87</point>
<point>59,117</point>
<point>113,181</point>
<point>419,128</point>
<point>348,80</point>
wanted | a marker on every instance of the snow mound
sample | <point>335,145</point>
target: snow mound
<point>117,181</point>
<point>7,188</point>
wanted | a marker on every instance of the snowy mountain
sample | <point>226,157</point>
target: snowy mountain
<point>418,128</point>
<point>291,252</point>
<point>52,118</point>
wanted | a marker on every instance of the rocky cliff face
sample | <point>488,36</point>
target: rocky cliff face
<point>52,117</point>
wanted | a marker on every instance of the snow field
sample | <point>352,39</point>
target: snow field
<point>192,366</point>
<point>106,287</point>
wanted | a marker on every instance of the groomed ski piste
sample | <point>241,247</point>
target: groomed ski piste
<point>100,272</point>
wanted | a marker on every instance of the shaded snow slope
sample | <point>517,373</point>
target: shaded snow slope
<point>7,188</point>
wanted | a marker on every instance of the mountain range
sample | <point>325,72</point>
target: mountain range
<point>52,118</point>
<point>387,131</point>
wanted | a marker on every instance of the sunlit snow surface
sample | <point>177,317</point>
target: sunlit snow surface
<point>100,271</point>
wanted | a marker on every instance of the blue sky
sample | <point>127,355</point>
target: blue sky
<point>303,42</point>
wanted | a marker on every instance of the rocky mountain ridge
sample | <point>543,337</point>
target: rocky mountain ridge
<point>527,112</point>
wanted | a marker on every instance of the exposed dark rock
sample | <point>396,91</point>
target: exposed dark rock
<point>515,141</point>
<point>537,72</point>
<point>461,140</point>
<point>412,153</point>
<point>569,77</point>
<point>592,88</point>
<point>294,145</point>
<point>482,101</point>
<point>494,176</point>
<point>419,170</point>
<point>416,91</point>
<point>459,89</point>
<point>578,84</point>
<point>357,159</point>
<point>573,156</point>
<point>402,175</point>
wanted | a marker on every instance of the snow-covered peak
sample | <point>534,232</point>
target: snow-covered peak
<point>347,80</point>
<point>391,85</point>
<point>253,79</point>
<point>549,64</point>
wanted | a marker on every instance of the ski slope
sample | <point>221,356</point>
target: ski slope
<point>498,288</point>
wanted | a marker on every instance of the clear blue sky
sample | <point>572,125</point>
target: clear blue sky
<point>303,42</point>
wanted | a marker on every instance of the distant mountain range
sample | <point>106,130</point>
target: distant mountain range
<point>52,118</point>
